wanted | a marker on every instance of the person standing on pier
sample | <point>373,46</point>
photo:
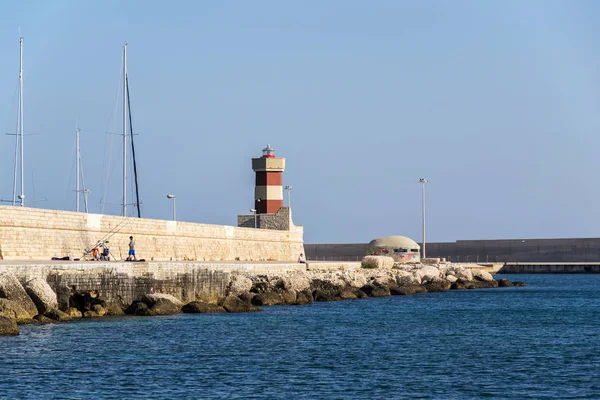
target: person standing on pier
<point>131,256</point>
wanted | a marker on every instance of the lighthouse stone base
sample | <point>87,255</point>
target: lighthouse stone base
<point>280,221</point>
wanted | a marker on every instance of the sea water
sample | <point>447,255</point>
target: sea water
<point>539,341</point>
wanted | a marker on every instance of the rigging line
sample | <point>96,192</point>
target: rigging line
<point>109,234</point>
<point>135,174</point>
<point>33,184</point>
<point>108,140</point>
<point>14,96</point>
<point>85,192</point>
<point>65,201</point>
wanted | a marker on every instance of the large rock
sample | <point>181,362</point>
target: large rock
<point>482,275</point>
<point>475,284</point>
<point>11,289</point>
<point>437,286</point>
<point>113,308</point>
<point>165,307</point>
<point>404,278</point>
<point>355,280</point>
<point>42,295</point>
<point>296,282</point>
<point>406,290</point>
<point>375,290</point>
<point>138,308</point>
<point>384,281</point>
<point>429,273</point>
<point>304,297</point>
<point>504,283</point>
<point>463,274</point>
<point>13,310</point>
<point>63,295</point>
<point>57,315</point>
<point>261,284</point>
<point>288,296</point>
<point>42,319</point>
<point>162,304</point>
<point>73,312</point>
<point>196,307</point>
<point>267,299</point>
<point>319,295</point>
<point>418,276</point>
<point>327,287</point>
<point>84,300</point>
<point>239,284</point>
<point>247,297</point>
<point>234,304</point>
<point>377,262</point>
<point>96,312</point>
<point>152,298</point>
<point>347,294</point>
<point>8,327</point>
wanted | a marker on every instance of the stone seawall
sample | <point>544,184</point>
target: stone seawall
<point>37,234</point>
<point>126,282</point>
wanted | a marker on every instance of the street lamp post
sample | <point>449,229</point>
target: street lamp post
<point>289,190</point>
<point>423,182</point>
<point>172,197</point>
<point>253,210</point>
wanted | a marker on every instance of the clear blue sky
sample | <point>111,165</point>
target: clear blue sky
<point>496,103</point>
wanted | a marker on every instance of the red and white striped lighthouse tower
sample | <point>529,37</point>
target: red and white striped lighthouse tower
<point>268,193</point>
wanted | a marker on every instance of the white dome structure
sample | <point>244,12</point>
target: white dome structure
<point>400,248</point>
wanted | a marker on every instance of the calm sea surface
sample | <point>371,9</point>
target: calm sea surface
<point>541,341</point>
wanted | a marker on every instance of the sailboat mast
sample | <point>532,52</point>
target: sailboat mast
<point>16,166</point>
<point>125,130</point>
<point>78,167</point>
<point>22,195</point>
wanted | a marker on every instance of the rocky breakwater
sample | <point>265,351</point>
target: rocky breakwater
<point>377,277</point>
<point>34,300</point>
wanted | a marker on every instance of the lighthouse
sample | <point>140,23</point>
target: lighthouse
<point>268,191</point>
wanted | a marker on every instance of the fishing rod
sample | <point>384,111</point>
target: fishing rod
<point>107,236</point>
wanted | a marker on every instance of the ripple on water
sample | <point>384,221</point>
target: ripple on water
<point>534,342</point>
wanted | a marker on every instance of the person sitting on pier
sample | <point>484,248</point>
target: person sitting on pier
<point>95,253</point>
<point>105,255</point>
<point>301,259</point>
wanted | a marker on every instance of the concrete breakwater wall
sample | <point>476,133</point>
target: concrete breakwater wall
<point>482,251</point>
<point>37,234</point>
<point>551,268</point>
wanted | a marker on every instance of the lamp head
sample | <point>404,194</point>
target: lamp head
<point>170,196</point>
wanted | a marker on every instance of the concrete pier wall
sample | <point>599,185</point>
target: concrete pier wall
<point>37,234</point>
<point>490,251</point>
<point>551,268</point>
